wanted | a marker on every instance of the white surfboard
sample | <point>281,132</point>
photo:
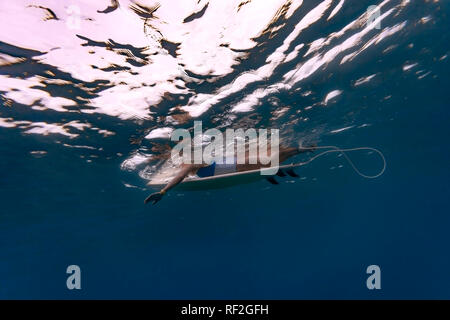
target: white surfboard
<point>219,181</point>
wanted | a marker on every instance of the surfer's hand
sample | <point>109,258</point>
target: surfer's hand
<point>312,147</point>
<point>155,197</point>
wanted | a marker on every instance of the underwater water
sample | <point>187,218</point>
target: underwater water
<point>90,92</point>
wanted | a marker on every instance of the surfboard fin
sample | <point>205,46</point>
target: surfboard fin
<point>280,173</point>
<point>272,180</point>
<point>292,173</point>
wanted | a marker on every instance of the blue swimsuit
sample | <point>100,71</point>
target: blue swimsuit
<point>215,169</point>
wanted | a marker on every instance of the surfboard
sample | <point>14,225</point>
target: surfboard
<point>192,183</point>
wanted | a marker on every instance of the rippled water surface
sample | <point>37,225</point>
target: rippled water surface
<point>91,90</point>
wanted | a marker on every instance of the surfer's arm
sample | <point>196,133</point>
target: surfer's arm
<point>185,170</point>
<point>179,177</point>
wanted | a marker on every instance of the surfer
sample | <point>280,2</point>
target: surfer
<point>215,169</point>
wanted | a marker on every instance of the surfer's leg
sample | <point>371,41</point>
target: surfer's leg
<point>287,152</point>
<point>283,154</point>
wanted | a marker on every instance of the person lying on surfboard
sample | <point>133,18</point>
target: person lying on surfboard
<point>215,169</point>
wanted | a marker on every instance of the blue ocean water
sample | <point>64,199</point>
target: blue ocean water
<point>75,137</point>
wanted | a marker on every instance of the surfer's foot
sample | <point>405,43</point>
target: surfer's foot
<point>311,148</point>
